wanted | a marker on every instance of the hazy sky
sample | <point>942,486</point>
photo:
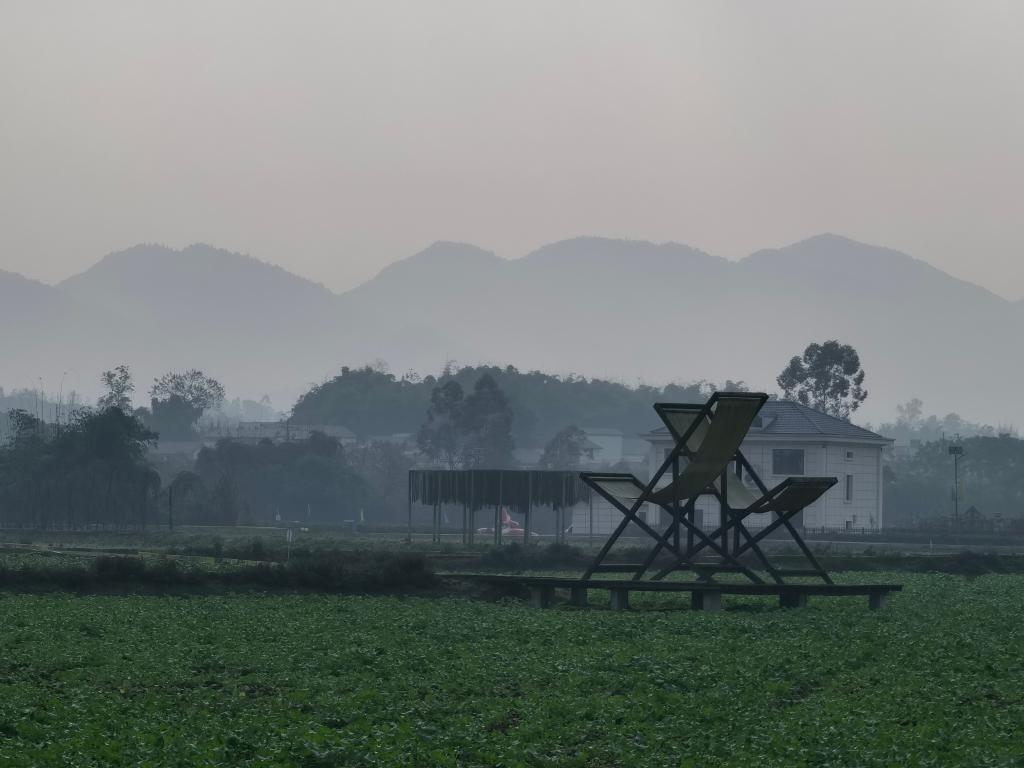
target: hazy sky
<point>333,138</point>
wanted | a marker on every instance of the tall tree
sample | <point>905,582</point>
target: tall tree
<point>192,386</point>
<point>119,385</point>
<point>472,431</point>
<point>443,436</point>
<point>566,449</point>
<point>827,377</point>
<point>385,466</point>
<point>179,399</point>
<point>910,412</point>
<point>488,425</point>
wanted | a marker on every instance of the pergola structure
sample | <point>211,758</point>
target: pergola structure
<point>495,490</point>
<point>707,459</point>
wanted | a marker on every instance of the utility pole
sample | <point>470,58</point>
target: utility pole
<point>60,397</point>
<point>956,451</point>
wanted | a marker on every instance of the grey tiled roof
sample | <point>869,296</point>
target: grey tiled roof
<point>786,417</point>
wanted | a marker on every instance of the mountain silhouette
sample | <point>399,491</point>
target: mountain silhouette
<point>622,309</point>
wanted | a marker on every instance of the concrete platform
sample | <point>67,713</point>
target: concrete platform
<point>705,596</point>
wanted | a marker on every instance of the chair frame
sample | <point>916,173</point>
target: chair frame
<point>683,516</point>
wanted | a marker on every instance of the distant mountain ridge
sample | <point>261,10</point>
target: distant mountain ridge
<point>622,309</point>
<point>127,279</point>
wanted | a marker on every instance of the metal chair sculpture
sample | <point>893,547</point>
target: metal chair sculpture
<point>708,439</point>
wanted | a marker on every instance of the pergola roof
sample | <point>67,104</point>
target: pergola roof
<point>516,489</point>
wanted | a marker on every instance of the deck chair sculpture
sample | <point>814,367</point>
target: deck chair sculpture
<point>707,459</point>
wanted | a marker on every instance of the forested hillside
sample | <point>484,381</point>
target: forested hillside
<point>371,401</point>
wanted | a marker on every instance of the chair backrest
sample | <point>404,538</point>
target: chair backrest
<point>679,417</point>
<point>739,495</point>
<point>797,493</point>
<point>729,416</point>
<point>626,489</point>
<point>791,495</point>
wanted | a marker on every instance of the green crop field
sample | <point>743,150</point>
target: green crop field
<point>935,679</point>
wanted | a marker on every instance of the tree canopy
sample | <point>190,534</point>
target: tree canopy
<point>468,432</point>
<point>912,425</point>
<point>488,422</point>
<point>92,470</point>
<point>307,480</point>
<point>385,466</point>
<point>443,437</point>
<point>119,387</point>
<point>566,449</point>
<point>919,488</point>
<point>827,377</point>
<point>370,401</point>
<point>193,387</point>
<point>179,399</point>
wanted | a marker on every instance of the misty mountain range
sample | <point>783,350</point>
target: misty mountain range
<point>627,310</point>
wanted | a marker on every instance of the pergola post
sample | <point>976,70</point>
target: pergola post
<point>409,511</point>
<point>529,509</point>
<point>590,526</point>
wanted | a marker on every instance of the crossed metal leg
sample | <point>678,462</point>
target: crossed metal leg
<point>664,540</point>
<point>717,541</point>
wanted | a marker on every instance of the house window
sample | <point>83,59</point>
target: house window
<point>788,461</point>
<point>848,497</point>
<point>849,455</point>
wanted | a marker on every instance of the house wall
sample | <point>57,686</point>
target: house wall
<point>821,459</point>
<point>864,510</point>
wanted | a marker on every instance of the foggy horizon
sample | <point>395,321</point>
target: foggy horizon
<point>333,140</point>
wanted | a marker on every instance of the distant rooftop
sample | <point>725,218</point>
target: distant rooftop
<point>280,430</point>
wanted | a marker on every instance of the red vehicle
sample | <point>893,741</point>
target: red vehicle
<point>510,529</point>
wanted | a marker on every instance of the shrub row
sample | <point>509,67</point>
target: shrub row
<point>325,570</point>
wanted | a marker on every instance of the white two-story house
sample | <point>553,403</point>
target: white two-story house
<point>788,439</point>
